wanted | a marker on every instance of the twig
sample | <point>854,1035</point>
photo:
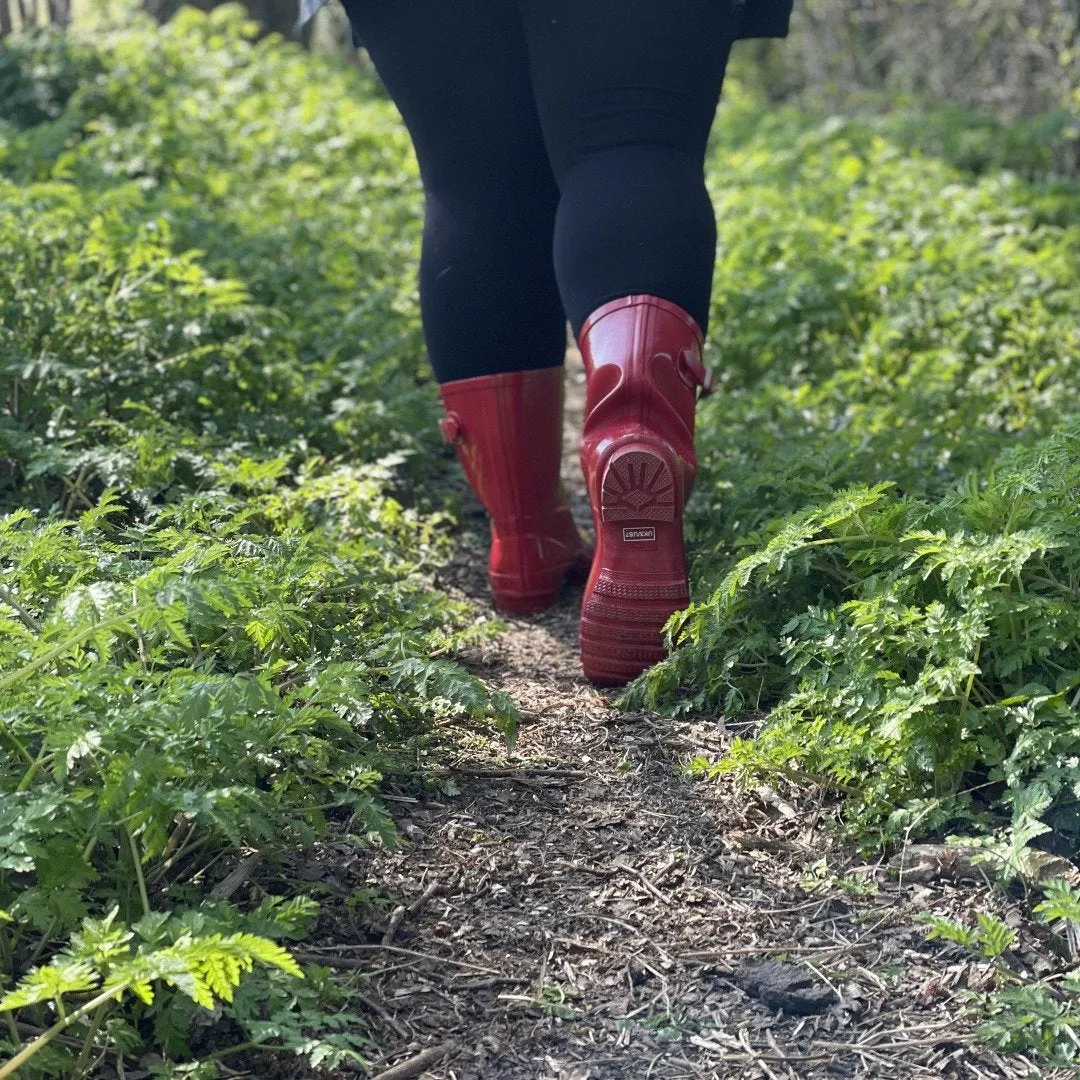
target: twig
<point>520,774</point>
<point>646,884</point>
<point>488,984</point>
<point>666,956</point>
<point>418,905</point>
<point>387,1018</point>
<point>719,955</point>
<point>136,861</point>
<point>88,1042</point>
<point>394,925</point>
<point>414,1066</point>
<point>675,859</point>
<point>822,978</point>
<point>580,868</point>
<point>25,617</point>
<point>758,1059</point>
<point>786,1059</point>
<point>239,876</point>
<point>907,1044</point>
<point>33,1029</point>
<point>358,965</point>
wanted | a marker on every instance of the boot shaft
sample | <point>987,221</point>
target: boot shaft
<point>643,360</point>
<point>507,430</point>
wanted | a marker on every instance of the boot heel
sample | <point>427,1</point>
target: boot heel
<point>638,485</point>
<point>525,605</point>
<point>639,578</point>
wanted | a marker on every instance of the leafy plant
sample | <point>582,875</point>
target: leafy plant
<point>217,633</point>
<point>1040,1019</point>
<point>884,524</point>
<point>990,938</point>
<point>103,965</point>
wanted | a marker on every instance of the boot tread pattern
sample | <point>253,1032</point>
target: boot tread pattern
<point>638,486</point>
<point>640,656</point>
<point>676,591</point>
<point>597,608</point>
<point>598,633</point>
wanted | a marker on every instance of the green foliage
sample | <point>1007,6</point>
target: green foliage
<point>1016,59</point>
<point>1041,1020</point>
<point>990,939</point>
<point>215,630</point>
<point>885,521</point>
<point>149,318</point>
<point>1033,1020</point>
<point>105,963</point>
<point>39,72</point>
<point>215,633</point>
<point>1062,901</point>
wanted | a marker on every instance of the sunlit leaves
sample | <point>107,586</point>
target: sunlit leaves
<point>886,514</point>
<point>216,631</point>
<point>51,983</point>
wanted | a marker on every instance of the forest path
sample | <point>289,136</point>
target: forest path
<point>583,910</point>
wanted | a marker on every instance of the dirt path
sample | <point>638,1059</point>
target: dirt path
<point>583,910</point>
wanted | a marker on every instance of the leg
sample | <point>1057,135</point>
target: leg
<point>458,72</point>
<point>495,328</point>
<point>626,91</point>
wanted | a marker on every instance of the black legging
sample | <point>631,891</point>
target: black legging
<point>575,123</point>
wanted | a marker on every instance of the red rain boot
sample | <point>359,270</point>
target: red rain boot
<point>643,360</point>
<point>508,434</point>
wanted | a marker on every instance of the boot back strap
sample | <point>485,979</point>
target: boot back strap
<point>694,372</point>
<point>451,428</point>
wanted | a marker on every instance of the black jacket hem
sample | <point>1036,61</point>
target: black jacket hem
<point>765,19</point>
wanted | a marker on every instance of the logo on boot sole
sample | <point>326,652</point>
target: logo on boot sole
<point>638,536</point>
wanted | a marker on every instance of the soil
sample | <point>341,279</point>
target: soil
<point>585,908</point>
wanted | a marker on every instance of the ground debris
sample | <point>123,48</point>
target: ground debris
<point>787,987</point>
<point>583,908</point>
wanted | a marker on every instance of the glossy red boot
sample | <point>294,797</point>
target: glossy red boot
<point>643,361</point>
<point>508,433</point>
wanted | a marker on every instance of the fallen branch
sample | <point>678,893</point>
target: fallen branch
<point>414,1066</point>
<point>236,878</point>
<point>519,774</point>
<point>359,965</point>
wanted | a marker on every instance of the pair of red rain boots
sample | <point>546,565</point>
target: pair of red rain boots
<point>643,362</point>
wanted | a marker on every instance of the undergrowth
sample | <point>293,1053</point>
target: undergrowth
<point>216,630</point>
<point>1040,1019</point>
<point>885,527</point>
<point>886,569</point>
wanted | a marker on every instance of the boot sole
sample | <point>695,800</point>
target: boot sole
<point>639,579</point>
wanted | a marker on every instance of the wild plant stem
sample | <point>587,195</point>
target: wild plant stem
<point>18,746</point>
<point>970,682</point>
<point>7,968</point>
<point>143,895</point>
<point>43,1040</point>
<point>28,620</point>
<point>35,765</point>
<point>217,1055</point>
<point>88,1042</point>
<point>40,947</point>
<point>66,645</point>
<point>13,1031</point>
